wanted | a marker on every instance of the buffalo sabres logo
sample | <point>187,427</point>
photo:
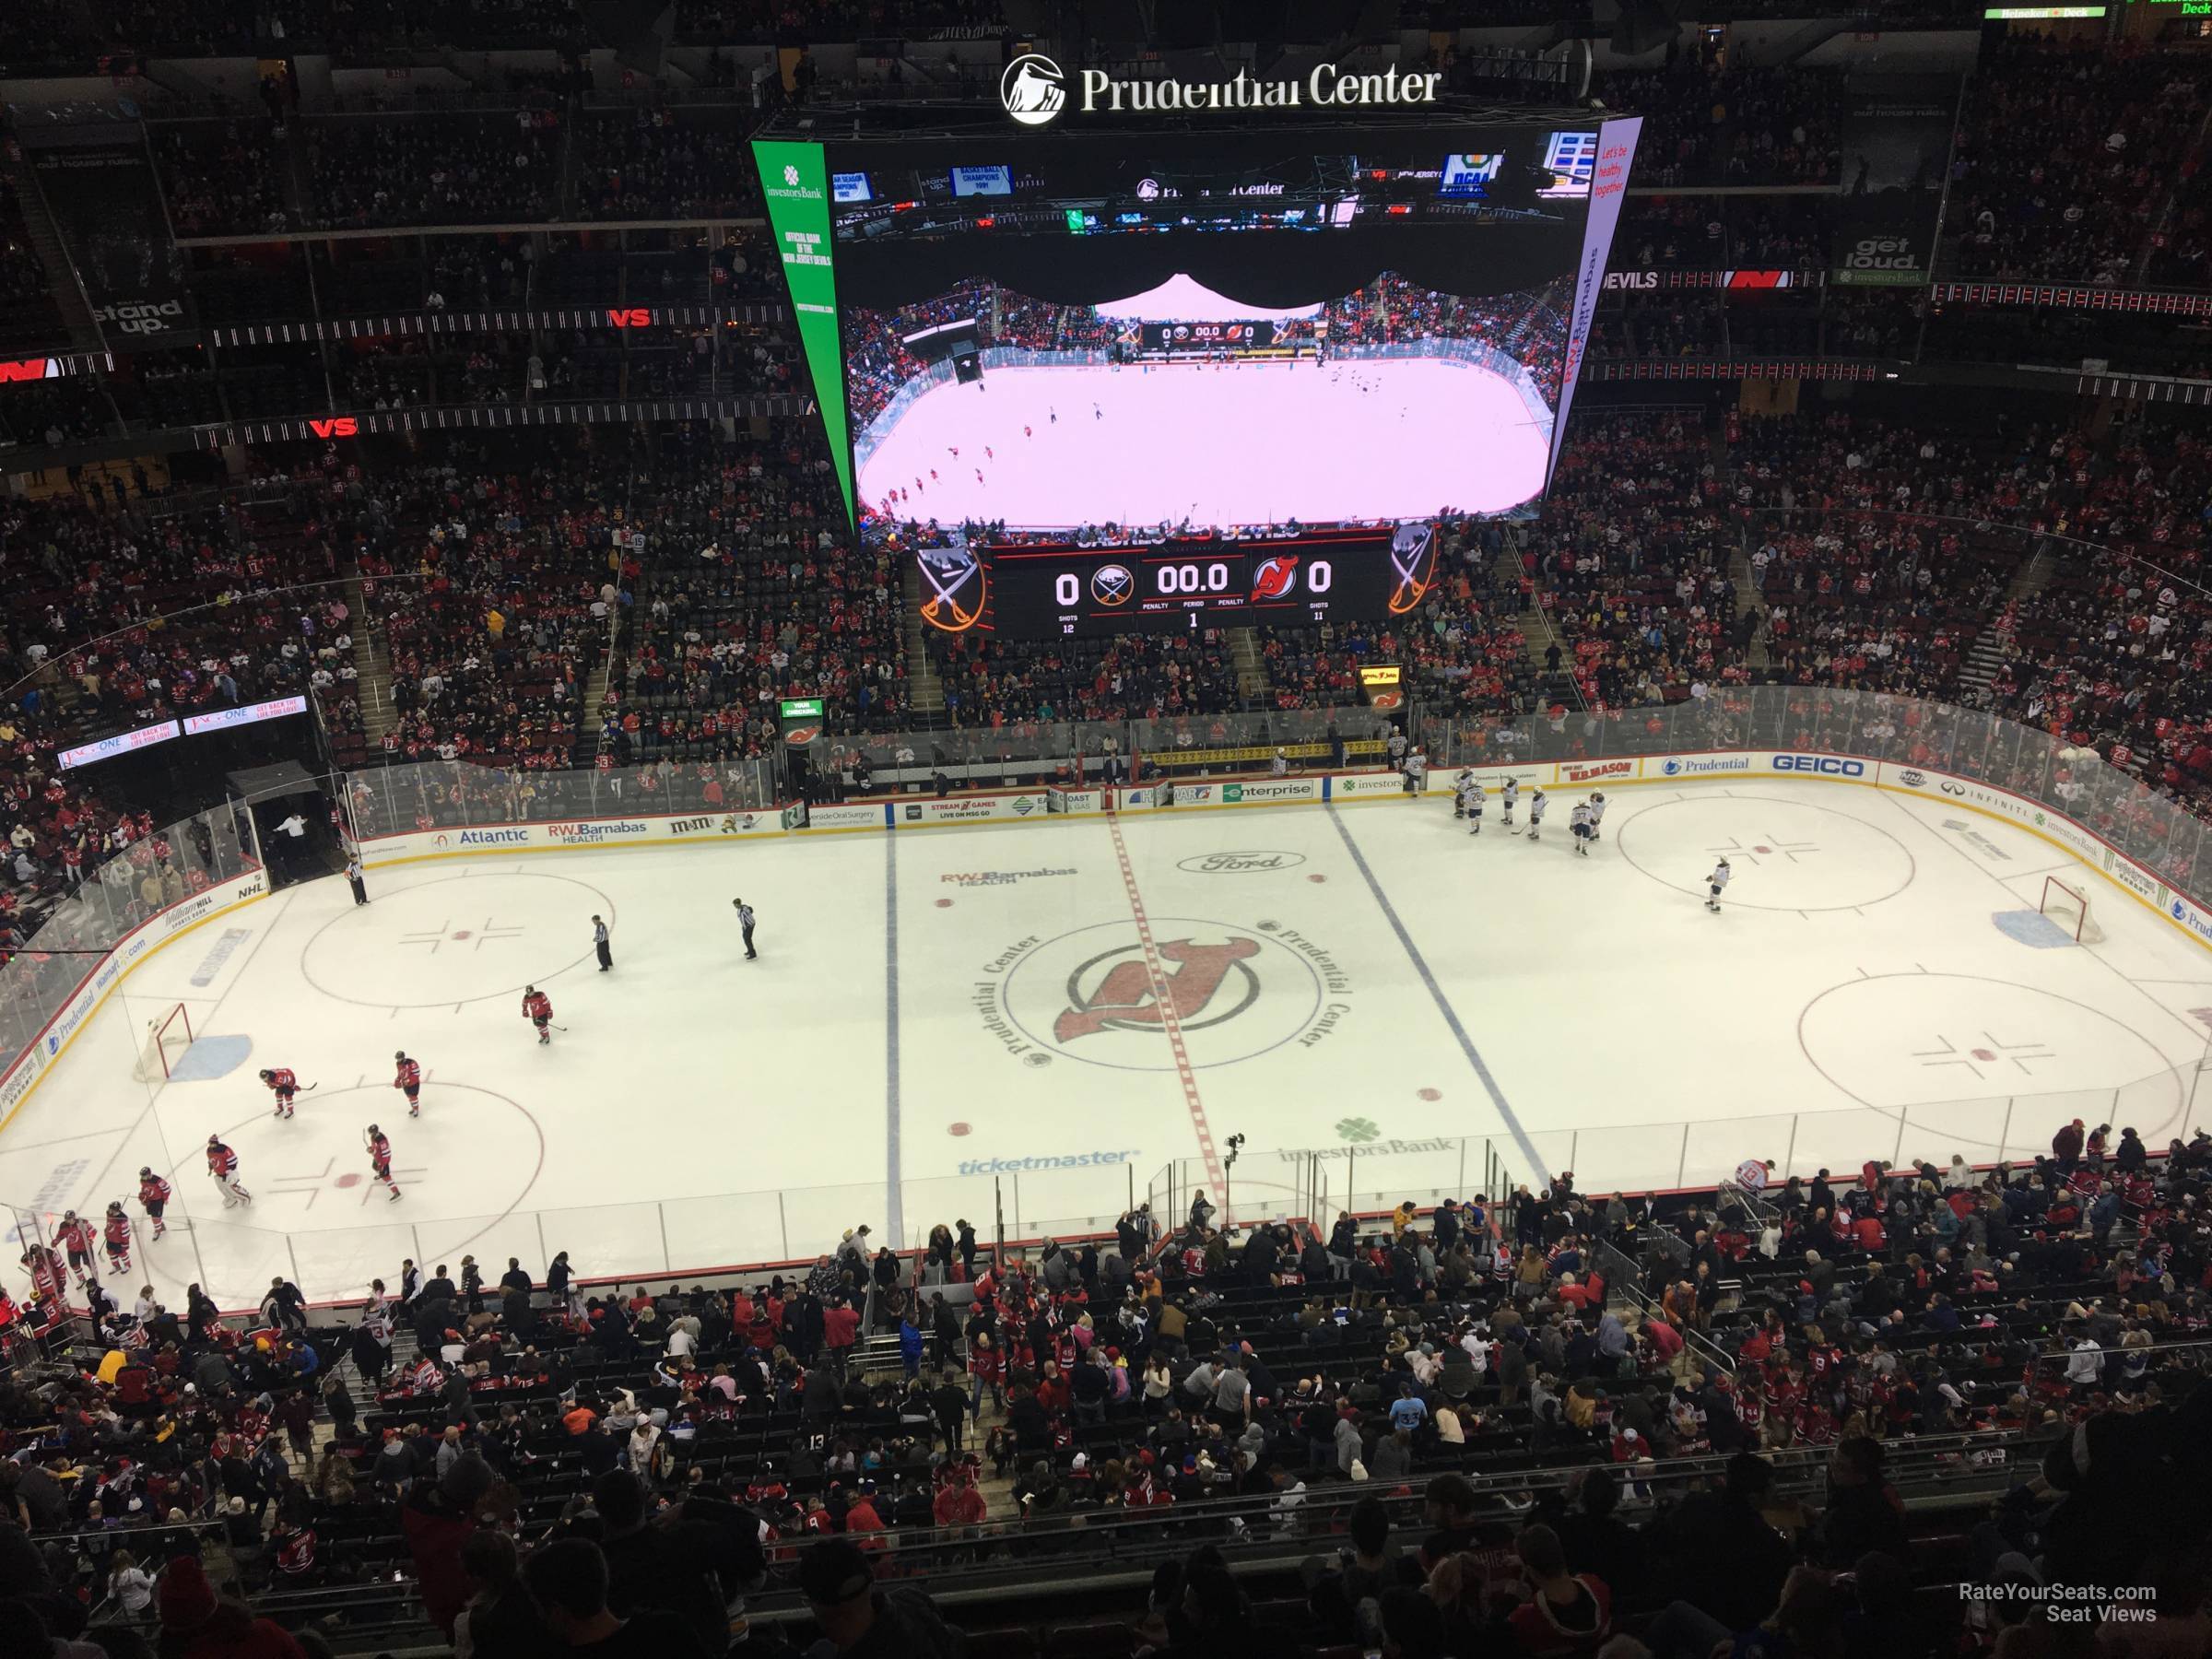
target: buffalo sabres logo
<point>955,579</point>
<point>1412,563</point>
<point>1111,584</point>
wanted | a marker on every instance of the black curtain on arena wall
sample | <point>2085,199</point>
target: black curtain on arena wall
<point>107,205</point>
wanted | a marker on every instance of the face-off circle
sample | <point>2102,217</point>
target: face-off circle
<point>454,935</point>
<point>1786,855</point>
<point>1961,1052</point>
<point>473,1150</point>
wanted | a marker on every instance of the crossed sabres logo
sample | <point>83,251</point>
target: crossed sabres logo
<point>1128,1000</point>
<point>950,573</point>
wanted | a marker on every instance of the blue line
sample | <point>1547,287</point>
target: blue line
<point>1444,1006</point>
<point>894,1202</point>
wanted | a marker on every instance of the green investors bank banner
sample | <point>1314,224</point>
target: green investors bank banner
<point>796,183</point>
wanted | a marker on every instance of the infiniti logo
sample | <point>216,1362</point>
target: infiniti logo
<point>1955,789</point>
<point>1033,89</point>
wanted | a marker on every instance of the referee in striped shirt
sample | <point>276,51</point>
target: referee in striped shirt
<point>744,921</point>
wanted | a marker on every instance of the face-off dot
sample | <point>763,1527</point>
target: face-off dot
<point>957,1129</point>
<point>1430,1094</point>
<point>944,904</point>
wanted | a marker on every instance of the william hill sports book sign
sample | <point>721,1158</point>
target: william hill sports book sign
<point>1036,91</point>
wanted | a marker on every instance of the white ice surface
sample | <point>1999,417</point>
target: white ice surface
<point>1855,997</point>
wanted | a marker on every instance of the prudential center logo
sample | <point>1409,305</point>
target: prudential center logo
<point>1032,88</point>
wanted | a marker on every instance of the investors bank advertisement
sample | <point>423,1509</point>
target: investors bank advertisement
<point>795,181</point>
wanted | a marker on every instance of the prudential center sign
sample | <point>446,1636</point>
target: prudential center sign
<point>1036,91</point>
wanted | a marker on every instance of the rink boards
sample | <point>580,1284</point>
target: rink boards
<point>971,809</point>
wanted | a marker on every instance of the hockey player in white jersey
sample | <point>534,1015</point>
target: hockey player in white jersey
<point>1714,883</point>
<point>1474,804</point>
<point>1538,802</point>
<point>1509,792</point>
<point>1416,771</point>
<point>1460,785</point>
<point>1597,812</point>
<point>1578,823</point>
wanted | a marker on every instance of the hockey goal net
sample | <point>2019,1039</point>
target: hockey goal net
<point>2068,906</point>
<point>162,1044</point>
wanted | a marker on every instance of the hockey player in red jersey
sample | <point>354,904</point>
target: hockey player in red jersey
<point>153,1193</point>
<point>44,1266</point>
<point>222,1163</point>
<point>76,1235</point>
<point>118,1236</point>
<point>284,1086</point>
<point>380,1158</point>
<point>408,1082</point>
<point>538,1007</point>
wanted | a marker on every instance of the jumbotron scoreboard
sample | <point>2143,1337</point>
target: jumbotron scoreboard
<point>1065,589</point>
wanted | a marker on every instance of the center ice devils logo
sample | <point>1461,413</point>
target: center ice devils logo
<point>1108,994</point>
<point>1274,577</point>
<point>1126,999</point>
<point>1033,89</point>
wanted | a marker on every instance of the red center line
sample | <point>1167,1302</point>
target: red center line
<point>1163,998</point>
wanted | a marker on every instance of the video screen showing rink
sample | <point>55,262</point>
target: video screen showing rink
<point>1045,1014</point>
<point>1214,333</point>
<point>1371,421</point>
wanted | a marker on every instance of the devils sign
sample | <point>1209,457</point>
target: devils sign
<point>1104,994</point>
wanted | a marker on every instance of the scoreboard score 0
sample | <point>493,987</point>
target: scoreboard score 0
<point>1207,337</point>
<point>1045,590</point>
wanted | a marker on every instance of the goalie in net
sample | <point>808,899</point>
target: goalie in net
<point>162,1045</point>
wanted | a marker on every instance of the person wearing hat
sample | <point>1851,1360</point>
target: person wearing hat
<point>194,1622</point>
<point>859,1619</point>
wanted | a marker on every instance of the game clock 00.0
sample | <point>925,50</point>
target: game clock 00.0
<point>1048,590</point>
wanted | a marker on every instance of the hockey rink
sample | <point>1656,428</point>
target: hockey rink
<point>1212,444</point>
<point>930,1008</point>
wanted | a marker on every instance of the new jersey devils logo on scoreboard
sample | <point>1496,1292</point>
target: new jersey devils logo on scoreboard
<point>1413,563</point>
<point>955,582</point>
<point>1275,576</point>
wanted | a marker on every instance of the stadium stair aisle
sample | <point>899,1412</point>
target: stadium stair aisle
<point>926,694</point>
<point>1253,687</point>
<point>1993,645</point>
<point>46,241</point>
<point>373,667</point>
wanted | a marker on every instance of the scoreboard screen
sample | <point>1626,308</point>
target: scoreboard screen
<point>1209,337</point>
<point>1046,590</point>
